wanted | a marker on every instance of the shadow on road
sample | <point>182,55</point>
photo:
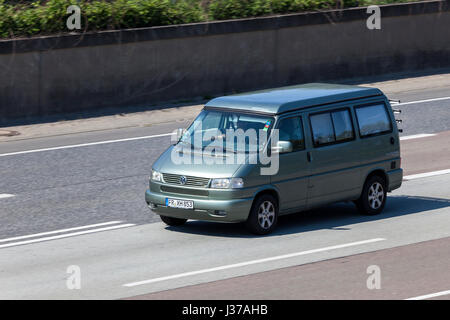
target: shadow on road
<point>337,217</point>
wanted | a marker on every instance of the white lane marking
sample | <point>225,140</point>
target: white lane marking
<point>431,295</point>
<point>426,174</point>
<point>420,101</point>
<point>84,144</point>
<point>60,231</point>
<point>65,235</point>
<point>6,195</point>
<point>417,136</point>
<point>166,134</point>
<point>247,263</point>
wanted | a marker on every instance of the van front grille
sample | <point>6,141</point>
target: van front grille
<point>190,181</point>
<point>194,192</point>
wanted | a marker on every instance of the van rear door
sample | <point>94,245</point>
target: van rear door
<point>378,130</point>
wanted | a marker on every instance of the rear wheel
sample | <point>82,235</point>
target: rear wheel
<point>373,196</point>
<point>263,216</point>
<point>173,221</point>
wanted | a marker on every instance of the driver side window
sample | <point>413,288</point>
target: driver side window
<point>291,129</point>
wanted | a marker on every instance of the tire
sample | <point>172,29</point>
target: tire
<point>263,216</point>
<point>173,221</point>
<point>373,196</point>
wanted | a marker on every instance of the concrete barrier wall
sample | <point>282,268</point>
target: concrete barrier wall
<point>140,67</point>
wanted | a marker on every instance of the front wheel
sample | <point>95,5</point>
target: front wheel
<point>173,221</point>
<point>263,216</point>
<point>373,196</point>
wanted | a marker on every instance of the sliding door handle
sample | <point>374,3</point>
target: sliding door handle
<point>309,156</point>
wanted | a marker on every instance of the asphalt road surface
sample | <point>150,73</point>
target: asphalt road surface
<point>78,200</point>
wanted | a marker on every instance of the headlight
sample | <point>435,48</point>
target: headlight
<point>227,183</point>
<point>156,176</point>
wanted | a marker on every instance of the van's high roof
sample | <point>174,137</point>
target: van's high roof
<point>290,98</point>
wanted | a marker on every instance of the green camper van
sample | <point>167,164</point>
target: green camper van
<point>303,147</point>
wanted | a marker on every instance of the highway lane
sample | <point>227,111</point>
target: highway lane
<point>426,154</point>
<point>79,186</point>
<point>422,117</point>
<point>75,187</point>
<point>109,261</point>
<point>405,271</point>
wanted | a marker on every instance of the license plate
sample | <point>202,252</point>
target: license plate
<point>182,204</point>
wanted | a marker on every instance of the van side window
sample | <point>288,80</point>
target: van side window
<point>342,125</point>
<point>322,128</point>
<point>291,129</point>
<point>373,120</point>
<point>329,127</point>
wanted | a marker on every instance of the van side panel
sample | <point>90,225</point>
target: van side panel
<point>335,172</point>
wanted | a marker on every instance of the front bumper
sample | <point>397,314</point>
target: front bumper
<point>228,210</point>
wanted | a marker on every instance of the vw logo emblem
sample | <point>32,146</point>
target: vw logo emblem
<point>183,180</point>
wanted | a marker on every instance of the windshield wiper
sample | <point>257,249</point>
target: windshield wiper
<point>223,149</point>
<point>203,148</point>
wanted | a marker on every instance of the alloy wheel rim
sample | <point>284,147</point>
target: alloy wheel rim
<point>266,214</point>
<point>376,195</point>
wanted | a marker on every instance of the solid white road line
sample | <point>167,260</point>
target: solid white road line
<point>426,174</point>
<point>420,101</point>
<point>431,295</point>
<point>84,144</point>
<point>59,231</point>
<point>5,195</point>
<point>65,235</point>
<point>247,263</point>
<point>168,134</point>
<point>417,136</point>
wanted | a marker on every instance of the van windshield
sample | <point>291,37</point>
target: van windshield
<point>230,131</point>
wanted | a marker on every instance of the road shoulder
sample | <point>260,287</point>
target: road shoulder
<point>183,112</point>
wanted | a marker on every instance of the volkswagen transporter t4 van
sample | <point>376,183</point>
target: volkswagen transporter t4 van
<point>255,156</point>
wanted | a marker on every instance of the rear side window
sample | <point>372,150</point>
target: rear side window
<point>331,127</point>
<point>342,125</point>
<point>373,120</point>
<point>291,129</point>
<point>322,128</point>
